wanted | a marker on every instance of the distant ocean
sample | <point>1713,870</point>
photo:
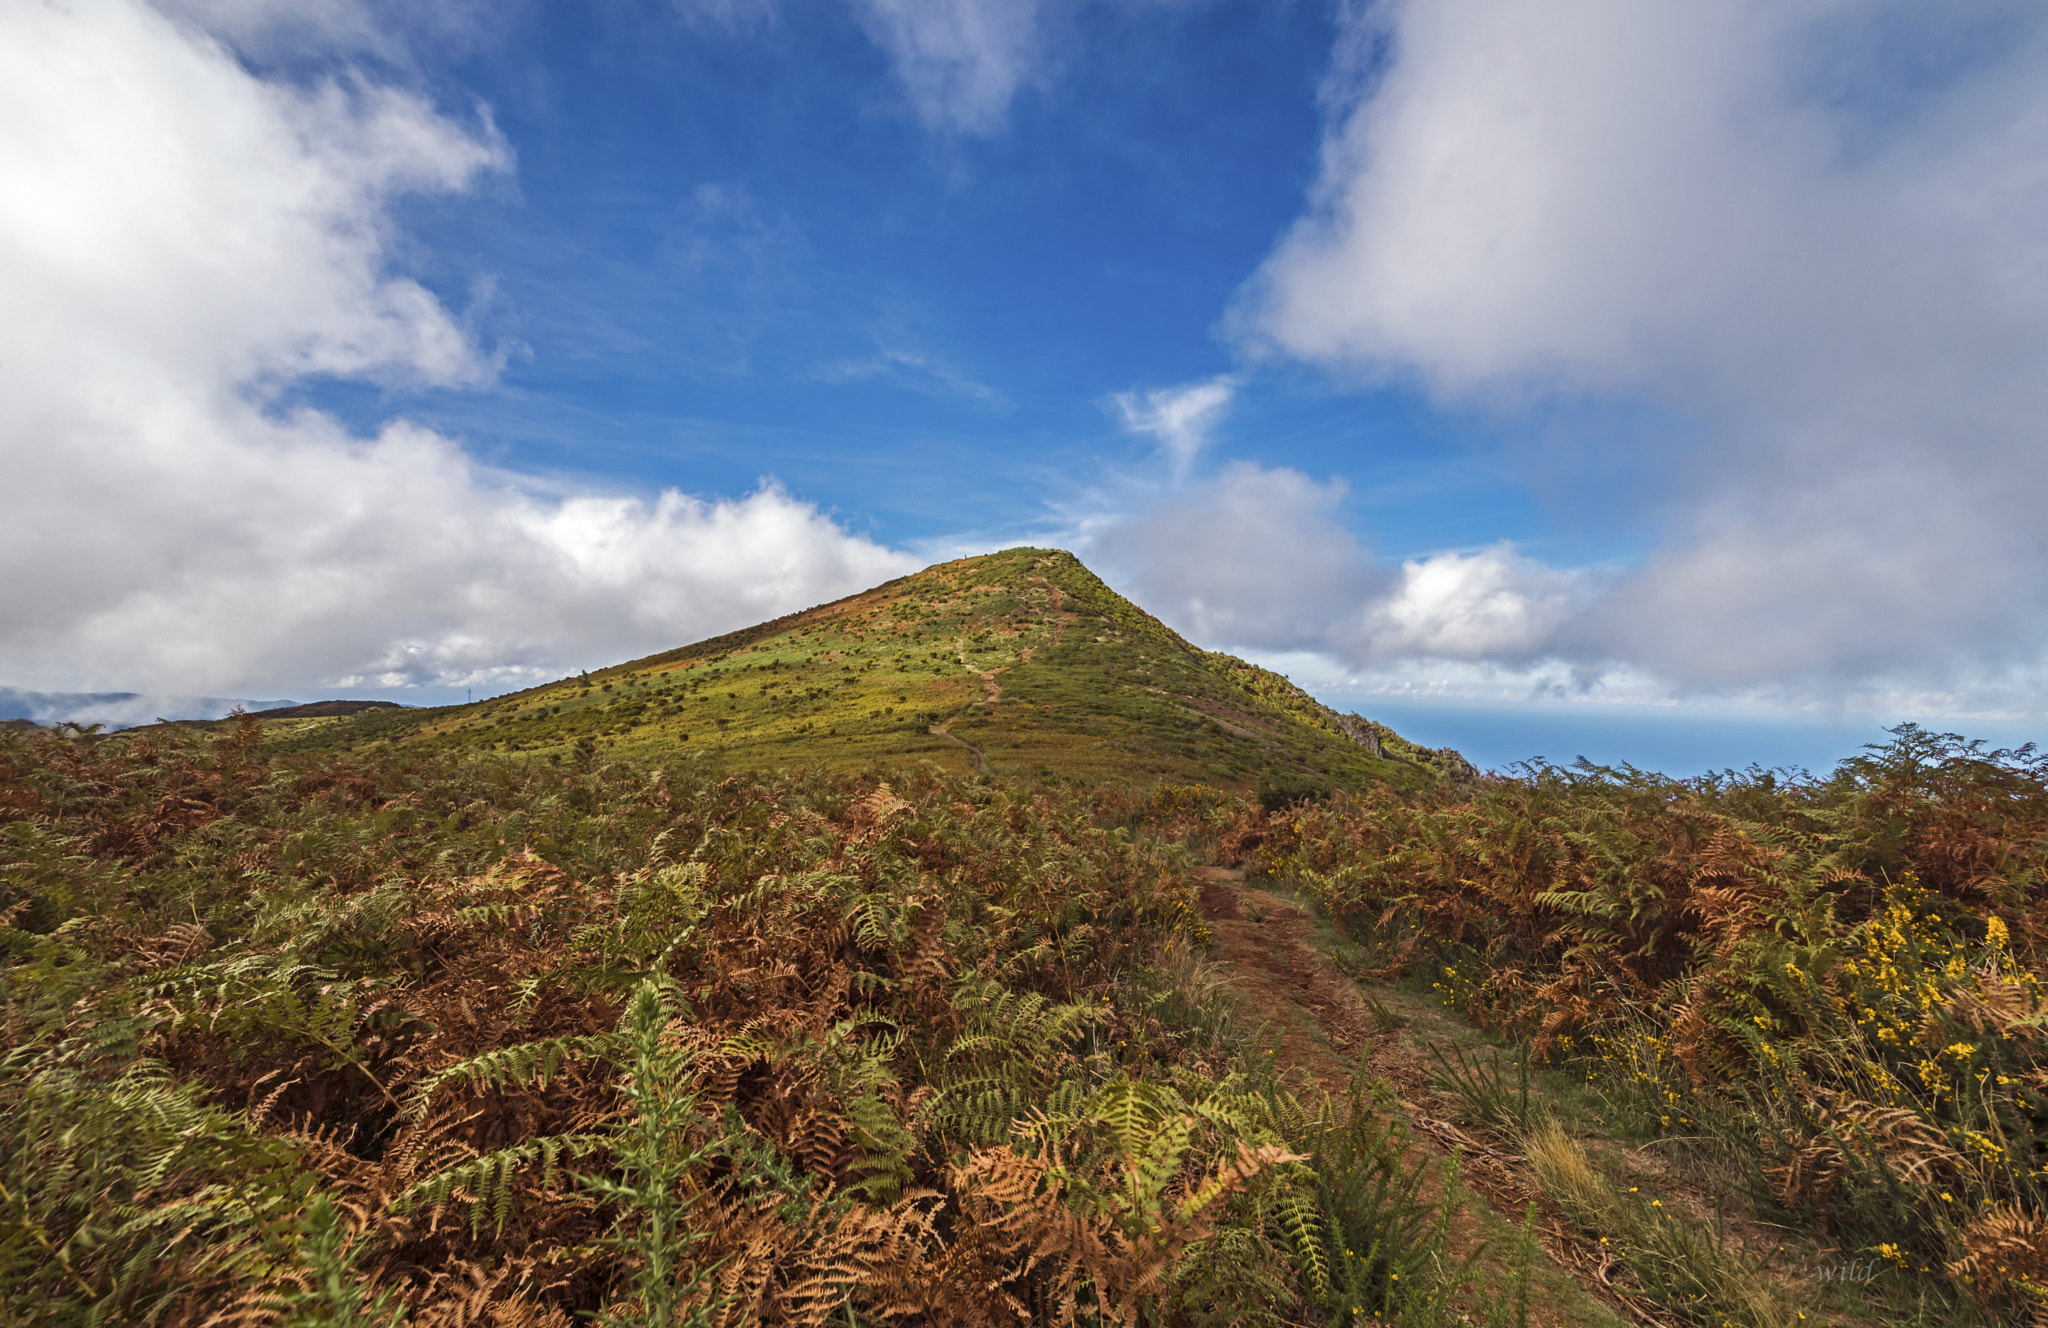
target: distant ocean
<point>1669,741</point>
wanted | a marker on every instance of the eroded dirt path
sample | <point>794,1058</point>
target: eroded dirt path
<point>1315,1015</point>
<point>974,756</point>
<point>1060,615</point>
<point>1318,1022</point>
<point>992,691</point>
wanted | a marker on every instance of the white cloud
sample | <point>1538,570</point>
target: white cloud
<point>1520,188</point>
<point>120,710</point>
<point>1254,557</point>
<point>961,61</point>
<point>167,219</point>
<point>1817,229</point>
<point>179,239</point>
<point>1181,418</point>
<point>1489,604</point>
<point>1258,559</point>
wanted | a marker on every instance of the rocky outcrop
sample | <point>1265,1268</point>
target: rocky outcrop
<point>1361,731</point>
<point>1454,761</point>
<point>1373,737</point>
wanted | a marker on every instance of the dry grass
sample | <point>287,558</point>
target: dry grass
<point>1674,1262</point>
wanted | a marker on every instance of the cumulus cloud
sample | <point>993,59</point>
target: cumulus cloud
<point>1818,230</point>
<point>1181,419</point>
<point>1261,561</point>
<point>1258,558</point>
<point>1488,604</point>
<point>180,239</point>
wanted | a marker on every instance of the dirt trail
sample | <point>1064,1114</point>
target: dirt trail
<point>1318,1022</point>
<point>1060,615</point>
<point>992,690</point>
<point>1264,943</point>
<point>974,756</point>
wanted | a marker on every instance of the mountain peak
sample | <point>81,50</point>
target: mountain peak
<point>1021,661</point>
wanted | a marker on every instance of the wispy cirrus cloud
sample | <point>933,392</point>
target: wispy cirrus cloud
<point>913,370</point>
<point>1182,420</point>
<point>960,61</point>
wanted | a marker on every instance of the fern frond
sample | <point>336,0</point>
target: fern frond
<point>1304,1230</point>
<point>526,1064</point>
<point>487,1179</point>
<point>1586,903</point>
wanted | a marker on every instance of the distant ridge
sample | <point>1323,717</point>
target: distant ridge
<point>321,709</point>
<point>1019,662</point>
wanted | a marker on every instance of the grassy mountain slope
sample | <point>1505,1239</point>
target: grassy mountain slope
<point>1015,662</point>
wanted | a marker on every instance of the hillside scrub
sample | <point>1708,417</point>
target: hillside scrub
<point>1832,986</point>
<point>1019,663</point>
<point>427,1037</point>
<point>446,1038</point>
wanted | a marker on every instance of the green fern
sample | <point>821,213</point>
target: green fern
<point>1018,1050</point>
<point>487,1178</point>
<point>526,1064</point>
<point>104,1182</point>
<point>883,1170</point>
<point>1585,903</point>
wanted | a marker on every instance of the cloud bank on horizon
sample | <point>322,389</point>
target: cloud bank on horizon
<point>1813,234</point>
<point>169,529</point>
<point>1818,229</point>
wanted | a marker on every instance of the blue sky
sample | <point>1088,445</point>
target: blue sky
<point>1673,375</point>
<point>735,248</point>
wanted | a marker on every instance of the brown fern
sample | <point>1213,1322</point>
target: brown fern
<point>2005,1246</point>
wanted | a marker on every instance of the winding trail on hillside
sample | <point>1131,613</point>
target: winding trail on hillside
<point>1317,1023</point>
<point>992,692</point>
<point>974,756</point>
<point>1060,615</point>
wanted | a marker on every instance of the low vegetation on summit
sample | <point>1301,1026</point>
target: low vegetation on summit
<point>579,1007</point>
<point>1020,662</point>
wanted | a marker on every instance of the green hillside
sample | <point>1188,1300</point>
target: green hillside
<point>1011,663</point>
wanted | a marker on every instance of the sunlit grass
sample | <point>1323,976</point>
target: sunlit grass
<point>1034,668</point>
